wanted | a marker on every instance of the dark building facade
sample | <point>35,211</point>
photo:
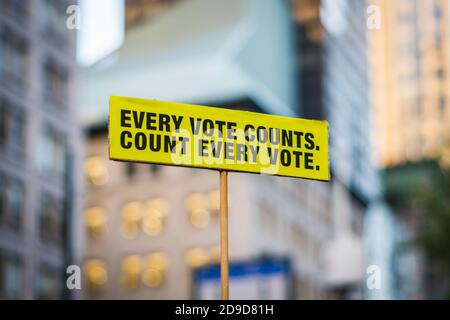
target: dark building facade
<point>39,149</point>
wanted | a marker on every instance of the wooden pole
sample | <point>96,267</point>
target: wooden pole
<point>224,234</point>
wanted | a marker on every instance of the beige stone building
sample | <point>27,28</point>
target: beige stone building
<point>410,68</point>
<point>148,226</point>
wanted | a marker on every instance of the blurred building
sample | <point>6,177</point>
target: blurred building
<point>333,64</point>
<point>147,226</point>
<point>410,64</point>
<point>39,150</point>
<point>410,61</point>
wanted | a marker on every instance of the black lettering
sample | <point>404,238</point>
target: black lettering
<point>124,117</point>
<point>177,122</point>
<point>298,135</point>
<point>164,122</point>
<point>138,118</point>
<point>273,156</point>
<point>202,150</point>
<point>123,144</point>
<point>151,121</point>
<point>254,152</point>
<point>285,158</point>
<point>170,144</point>
<point>231,130</point>
<point>229,150</point>
<point>241,152</point>
<point>286,138</point>
<point>216,148</point>
<point>208,127</point>
<point>195,125</point>
<point>183,140</point>
<point>309,161</point>
<point>220,125</point>
<point>297,155</point>
<point>246,129</point>
<point>274,134</point>
<point>140,140</point>
<point>309,141</point>
<point>261,134</point>
<point>155,142</point>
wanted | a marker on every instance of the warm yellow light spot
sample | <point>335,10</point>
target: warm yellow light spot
<point>129,230</point>
<point>131,219</point>
<point>132,211</point>
<point>152,278</point>
<point>157,264</point>
<point>158,261</point>
<point>214,254</point>
<point>131,270</point>
<point>196,257</point>
<point>195,200</point>
<point>152,225</point>
<point>200,218</point>
<point>96,171</point>
<point>95,220</point>
<point>158,207</point>
<point>96,274</point>
<point>214,202</point>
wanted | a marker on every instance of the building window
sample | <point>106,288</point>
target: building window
<point>55,84</point>
<point>14,8</point>
<point>131,219</point>
<point>12,130</point>
<point>12,198</point>
<point>201,207</point>
<point>51,218</point>
<point>48,284</point>
<point>155,269</point>
<point>196,257</point>
<point>131,169</point>
<point>13,52</point>
<point>214,254</point>
<point>214,202</point>
<point>149,216</point>
<point>52,154</point>
<point>155,169</point>
<point>440,73</point>
<point>154,216</point>
<point>95,220</point>
<point>96,274</point>
<point>54,21</point>
<point>152,270</point>
<point>131,271</point>
<point>11,278</point>
<point>442,103</point>
<point>96,171</point>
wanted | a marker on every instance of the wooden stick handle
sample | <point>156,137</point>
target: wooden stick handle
<point>224,234</point>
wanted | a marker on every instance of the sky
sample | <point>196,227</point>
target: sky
<point>101,29</point>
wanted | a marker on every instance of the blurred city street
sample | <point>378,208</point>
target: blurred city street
<point>76,225</point>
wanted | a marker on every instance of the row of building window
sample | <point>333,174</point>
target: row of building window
<point>12,199</point>
<point>47,284</point>
<point>97,172</point>
<point>150,270</point>
<point>52,17</point>
<point>13,69</point>
<point>51,148</point>
<point>12,127</point>
<point>14,8</point>
<point>12,209</point>
<point>150,216</point>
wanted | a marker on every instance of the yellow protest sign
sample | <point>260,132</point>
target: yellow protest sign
<point>178,134</point>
